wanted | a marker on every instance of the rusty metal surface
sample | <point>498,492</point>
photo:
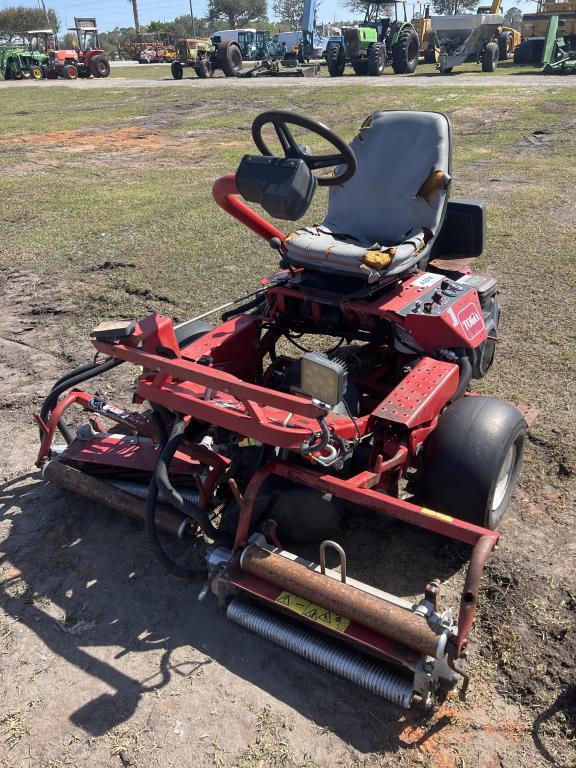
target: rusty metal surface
<point>90,487</point>
<point>365,609</point>
<point>469,601</point>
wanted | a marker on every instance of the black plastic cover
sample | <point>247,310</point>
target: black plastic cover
<point>464,231</point>
<point>283,186</point>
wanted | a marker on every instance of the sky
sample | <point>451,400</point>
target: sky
<point>118,13</point>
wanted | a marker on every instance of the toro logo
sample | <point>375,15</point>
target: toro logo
<point>471,320</point>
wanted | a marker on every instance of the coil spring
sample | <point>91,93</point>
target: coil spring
<point>341,661</point>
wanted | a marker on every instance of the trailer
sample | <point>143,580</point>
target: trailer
<point>467,37</point>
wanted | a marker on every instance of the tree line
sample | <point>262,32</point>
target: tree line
<point>222,14</point>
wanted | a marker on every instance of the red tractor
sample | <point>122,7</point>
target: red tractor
<point>85,59</point>
<point>240,447</point>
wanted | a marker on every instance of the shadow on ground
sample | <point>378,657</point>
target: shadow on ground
<point>70,565</point>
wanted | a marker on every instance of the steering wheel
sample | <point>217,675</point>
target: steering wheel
<point>281,119</point>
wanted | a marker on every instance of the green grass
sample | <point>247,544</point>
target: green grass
<point>68,207</point>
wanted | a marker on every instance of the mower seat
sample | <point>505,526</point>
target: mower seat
<point>385,219</point>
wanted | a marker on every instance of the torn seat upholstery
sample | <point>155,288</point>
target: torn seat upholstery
<point>385,218</point>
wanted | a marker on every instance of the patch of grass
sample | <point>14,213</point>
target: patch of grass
<point>126,743</point>
<point>13,728</point>
<point>271,747</point>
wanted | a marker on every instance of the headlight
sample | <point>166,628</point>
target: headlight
<point>323,379</point>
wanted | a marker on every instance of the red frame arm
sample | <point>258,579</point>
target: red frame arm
<point>225,193</point>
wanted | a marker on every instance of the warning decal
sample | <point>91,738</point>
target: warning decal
<point>314,612</point>
<point>438,515</point>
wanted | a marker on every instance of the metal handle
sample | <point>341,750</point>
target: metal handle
<point>337,548</point>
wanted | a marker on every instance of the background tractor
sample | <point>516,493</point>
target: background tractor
<point>422,23</point>
<point>18,62</point>
<point>205,56</point>
<point>85,59</point>
<point>535,27</point>
<point>253,43</point>
<point>378,42</point>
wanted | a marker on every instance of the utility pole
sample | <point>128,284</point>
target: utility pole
<point>135,11</point>
<point>193,22</point>
<point>43,7</point>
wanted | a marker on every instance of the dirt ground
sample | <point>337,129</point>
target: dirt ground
<point>105,660</point>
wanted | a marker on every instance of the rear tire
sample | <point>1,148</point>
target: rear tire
<point>503,45</point>
<point>405,53</point>
<point>36,72</point>
<point>177,70</point>
<point>51,74</point>
<point>335,59</point>
<point>204,69</point>
<point>231,60</point>
<point>472,460</point>
<point>376,59</point>
<point>360,67</point>
<point>490,58</point>
<point>99,66</point>
<point>69,72</point>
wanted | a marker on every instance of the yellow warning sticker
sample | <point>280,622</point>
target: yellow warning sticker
<point>439,515</point>
<point>312,611</point>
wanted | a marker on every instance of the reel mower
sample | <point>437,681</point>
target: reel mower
<point>236,451</point>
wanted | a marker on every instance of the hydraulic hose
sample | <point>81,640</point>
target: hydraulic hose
<point>254,304</point>
<point>308,446</point>
<point>465,367</point>
<point>72,379</point>
<point>160,480</point>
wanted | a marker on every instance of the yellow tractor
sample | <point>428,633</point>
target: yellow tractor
<point>422,23</point>
<point>508,38</point>
<point>535,26</point>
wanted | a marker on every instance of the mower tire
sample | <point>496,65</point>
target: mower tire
<point>405,53</point>
<point>99,66</point>
<point>504,45</point>
<point>69,72</point>
<point>36,72</point>
<point>335,60</point>
<point>490,58</point>
<point>472,460</point>
<point>177,70</point>
<point>376,59</point>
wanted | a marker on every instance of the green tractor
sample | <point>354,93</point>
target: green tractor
<point>379,42</point>
<point>17,62</point>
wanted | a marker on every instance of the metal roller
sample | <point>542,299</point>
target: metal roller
<point>342,661</point>
<point>403,626</point>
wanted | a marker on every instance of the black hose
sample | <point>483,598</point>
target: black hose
<point>81,369</point>
<point>308,446</point>
<point>160,480</point>
<point>259,300</point>
<point>465,367</point>
<point>72,379</point>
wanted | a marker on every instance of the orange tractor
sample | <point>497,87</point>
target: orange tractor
<point>85,59</point>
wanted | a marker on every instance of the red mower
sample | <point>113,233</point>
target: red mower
<point>238,449</point>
